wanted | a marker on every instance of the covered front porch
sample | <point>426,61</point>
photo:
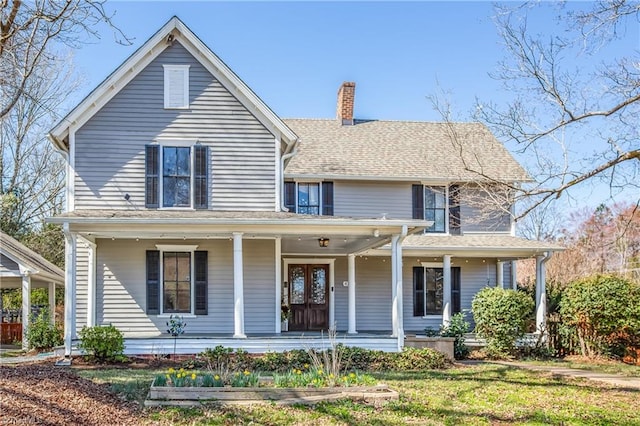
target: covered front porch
<point>243,281</point>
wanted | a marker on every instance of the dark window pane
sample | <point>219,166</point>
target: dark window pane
<point>169,157</point>
<point>303,195</point>
<point>177,282</point>
<point>183,162</point>
<point>435,206</point>
<point>168,192</point>
<point>183,192</point>
<point>434,284</point>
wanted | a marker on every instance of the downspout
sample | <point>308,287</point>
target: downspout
<point>285,157</point>
<point>398,285</point>
<point>541,292</point>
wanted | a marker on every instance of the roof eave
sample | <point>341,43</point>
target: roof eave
<point>138,60</point>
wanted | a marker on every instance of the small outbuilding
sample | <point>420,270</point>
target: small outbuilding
<point>21,267</point>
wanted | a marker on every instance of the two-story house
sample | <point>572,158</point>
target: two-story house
<point>187,195</point>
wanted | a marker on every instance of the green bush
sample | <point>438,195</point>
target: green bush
<point>501,317</point>
<point>457,328</point>
<point>102,343</point>
<point>604,313</point>
<point>410,359</point>
<point>41,334</point>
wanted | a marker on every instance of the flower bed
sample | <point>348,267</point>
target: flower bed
<point>184,388</point>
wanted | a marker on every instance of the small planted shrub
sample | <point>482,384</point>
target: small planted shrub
<point>457,328</point>
<point>102,343</point>
<point>604,313</point>
<point>41,334</point>
<point>501,317</point>
<point>410,359</point>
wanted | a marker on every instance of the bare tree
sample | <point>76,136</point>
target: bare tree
<point>567,93</point>
<point>29,30</point>
<point>32,174</point>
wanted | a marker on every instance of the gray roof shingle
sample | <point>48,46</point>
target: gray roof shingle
<point>400,150</point>
<point>29,258</point>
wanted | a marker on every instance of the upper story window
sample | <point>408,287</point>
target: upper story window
<point>309,197</point>
<point>176,175</point>
<point>176,86</point>
<point>439,204</point>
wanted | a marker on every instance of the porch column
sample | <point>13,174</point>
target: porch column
<point>238,287</point>
<point>69,291</point>
<point>500,274</point>
<point>278,269</point>
<point>514,274</point>
<point>446,289</point>
<point>51,292</point>
<point>541,294</point>
<point>91,284</point>
<point>395,320</point>
<point>399,290</point>
<point>351,262</point>
<point>26,306</point>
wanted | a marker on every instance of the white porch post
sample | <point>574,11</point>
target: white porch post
<point>26,306</point>
<point>278,267</point>
<point>51,292</point>
<point>514,274</point>
<point>541,296</point>
<point>238,287</point>
<point>91,285</point>
<point>69,291</point>
<point>446,289</point>
<point>500,274</point>
<point>399,291</point>
<point>395,320</point>
<point>351,262</point>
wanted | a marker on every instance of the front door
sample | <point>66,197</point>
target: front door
<point>309,297</point>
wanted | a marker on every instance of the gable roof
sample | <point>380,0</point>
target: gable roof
<point>29,259</point>
<point>400,150</point>
<point>174,29</point>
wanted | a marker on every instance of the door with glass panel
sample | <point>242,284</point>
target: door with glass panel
<point>309,297</point>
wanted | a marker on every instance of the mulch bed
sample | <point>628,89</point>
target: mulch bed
<point>43,394</point>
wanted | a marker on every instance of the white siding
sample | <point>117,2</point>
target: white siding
<point>8,265</point>
<point>121,283</point>
<point>474,275</point>
<point>109,155</point>
<point>372,199</point>
<point>478,215</point>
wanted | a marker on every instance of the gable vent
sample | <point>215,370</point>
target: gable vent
<point>176,86</point>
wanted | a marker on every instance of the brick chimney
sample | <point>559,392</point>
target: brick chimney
<point>346,96</point>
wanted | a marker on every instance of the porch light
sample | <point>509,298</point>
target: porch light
<point>323,242</point>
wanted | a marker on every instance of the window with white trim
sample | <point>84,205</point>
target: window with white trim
<point>177,175</point>
<point>315,198</point>
<point>177,282</point>
<point>176,86</point>
<point>428,290</point>
<point>438,204</point>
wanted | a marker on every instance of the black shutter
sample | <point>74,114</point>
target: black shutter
<point>201,284</point>
<point>153,282</point>
<point>290,196</point>
<point>200,177</point>
<point>152,167</point>
<point>455,289</point>
<point>454,209</point>
<point>418,291</point>
<point>418,201</point>
<point>327,198</point>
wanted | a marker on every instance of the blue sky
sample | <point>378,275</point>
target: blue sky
<point>295,55</point>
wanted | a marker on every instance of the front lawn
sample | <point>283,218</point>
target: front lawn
<point>484,394</point>
<point>600,366</point>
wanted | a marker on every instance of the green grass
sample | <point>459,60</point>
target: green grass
<point>608,367</point>
<point>478,395</point>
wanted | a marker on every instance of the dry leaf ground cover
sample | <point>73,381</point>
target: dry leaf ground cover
<point>484,394</point>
